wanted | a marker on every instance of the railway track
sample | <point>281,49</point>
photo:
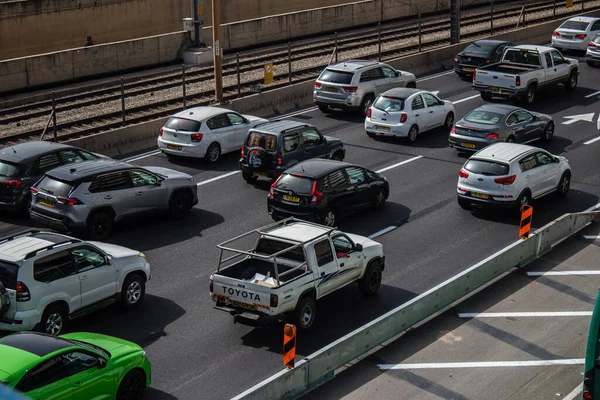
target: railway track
<point>35,113</point>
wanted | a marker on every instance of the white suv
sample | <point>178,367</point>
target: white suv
<point>510,175</point>
<point>47,278</point>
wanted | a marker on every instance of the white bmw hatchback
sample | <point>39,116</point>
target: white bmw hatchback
<point>406,112</point>
<point>205,132</point>
<point>575,33</point>
<point>510,175</point>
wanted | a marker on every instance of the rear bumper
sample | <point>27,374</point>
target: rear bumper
<point>482,203</point>
<point>28,321</point>
<point>373,128</point>
<point>301,213</point>
<point>502,92</point>
<point>249,318</point>
<point>350,102</point>
<point>187,150</point>
<point>467,143</point>
<point>271,173</point>
<point>60,224</point>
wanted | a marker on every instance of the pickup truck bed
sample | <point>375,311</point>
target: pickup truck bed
<point>249,268</point>
<point>508,68</point>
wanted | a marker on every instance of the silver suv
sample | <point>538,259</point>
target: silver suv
<point>353,85</point>
<point>89,197</point>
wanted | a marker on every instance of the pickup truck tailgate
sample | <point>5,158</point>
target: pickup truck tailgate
<point>243,294</point>
<point>495,79</point>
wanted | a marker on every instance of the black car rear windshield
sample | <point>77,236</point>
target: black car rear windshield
<point>54,187</point>
<point>332,76</point>
<point>576,25</point>
<point>489,168</point>
<point>8,274</point>
<point>480,48</point>
<point>8,169</point>
<point>264,140</point>
<point>182,124</point>
<point>296,184</point>
<point>389,104</point>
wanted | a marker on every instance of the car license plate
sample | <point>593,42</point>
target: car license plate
<point>480,195</point>
<point>468,145</point>
<point>47,203</point>
<point>291,198</point>
<point>244,305</point>
<point>469,69</point>
<point>567,37</point>
<point>331,89</point>
<point>173,147</point>
<point>384,128</point>
<point>495,90</point>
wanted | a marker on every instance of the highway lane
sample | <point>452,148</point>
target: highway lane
<point>198,351</point>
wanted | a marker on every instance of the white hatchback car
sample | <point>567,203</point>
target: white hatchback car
<point>510,175</point>
<point>575,33</point>
<point>592,56</point>
<point>407,112</point>
<point>205,132</point>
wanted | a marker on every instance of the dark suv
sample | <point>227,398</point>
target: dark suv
<point>23,164</point>
<point>323,190</point>
<point>272,147</point>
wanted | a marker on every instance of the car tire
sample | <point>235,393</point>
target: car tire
<point>530,95</point>
<point>249,178</point>
<point>305,313</point>
<point>324,108</point>
<point>54,320</point>
<point>411,85</point>
<point>412,134</point>
<point>100,225</point>
<point>132,386</point>
<point>449,122</point>
<point>465,205</point>
<point>523,200</point>
<point>132,292</point>
<point>25,205</point>
<point>365,104</point>
<point>329,217</point>
<point>590,63</point>
<point>548,131</point>
<point>213,153</point>
<point>371,135</point>
<point>511,139</point>
<point>563,185</point>
<point>370,283</point>
<point>180,205</point>
<point>486,96</point>
<point>380,198</point>
<point>338,156</point>
<point>571,83</point>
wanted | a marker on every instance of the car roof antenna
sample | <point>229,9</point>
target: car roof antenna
<point>302,166</point>
<point>13,149</point>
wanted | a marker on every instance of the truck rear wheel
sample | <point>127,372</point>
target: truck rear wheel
<point>371,281</point>
<point>305,312</point>
<point>486,96</point>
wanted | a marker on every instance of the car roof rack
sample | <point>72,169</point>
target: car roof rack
<point>50,247</point>
<point>21,234</point>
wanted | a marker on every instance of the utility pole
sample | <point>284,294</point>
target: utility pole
<point>198,23</point>
<point>455,21</point>
<point>217,49</point>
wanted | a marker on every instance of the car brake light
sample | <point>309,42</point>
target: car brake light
<point>581,36</point>
<point>350,89</point>
<point>196,137</point>
<point>507,180</point>
<point>316,195</point>
<point>492,135</point>
<point>456,58</point>
<point>463,174</point>
<point>369,112</point>
<point>274,300</point>
<point>518,80</point>
<point>591,44</point>
<point>318,85</point>
<point>452,130</point>
<point>587,395</point>
<point>279,159</point>
<point>23,292</point>
<point>242,155</point>
<point>13,183</point>
<point>487,61</point>
<point>555,34</point>
<point>33,190</point>
<point>474,74</point>
<point>160,133</point>
<point>403,117</point>
<point>69,200</point>
<point>210,286</point>
<point>273,186</point>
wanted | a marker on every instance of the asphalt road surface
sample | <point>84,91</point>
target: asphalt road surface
<point>198,352</point>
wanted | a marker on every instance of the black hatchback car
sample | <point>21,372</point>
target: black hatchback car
<point>325,190</point>
<point>23,164</point>
<point>477,54</point>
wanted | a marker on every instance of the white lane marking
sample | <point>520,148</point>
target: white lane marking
<point>588,117</point>
<point>527,314</point>
<point>216,178</point>
<point>550,273</point>
<point>140,156</point>
<point>591,237</point>
<point>593,140</point>
<point>382,232</point>
<point>592,94</point>
<point>426,78</point>
<point>575,393</point>
<point>466,99</point>
<point>485,364</point>
<point>398,164</point>
<point>293,114</point>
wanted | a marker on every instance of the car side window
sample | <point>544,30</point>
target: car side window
<point>291,142</point>
<point>596,26</point>
<point>48,162</point>
<point>557,57</point>
<point>334,181</point>
<point>523,116</point>
<point>356,175</point>
<point>236,119</point>
<point>142,178</point>
<point>310,137</point>
<point>371,75</point>
<point>528,163</point>
<point>512,119</point>
<point>54,267</point>
<point>218,122</point>
<point>342,245</point>
<point>112,181</point>
<point>77,361</point>
<point>543,158</point>
<point>548,58</point>
<point>44,374</point>
<point>69,156</point>
<point>323,252</point>
<point>417,103</point>
<point>86,259</point>
<point>388,72</point>
<point>86,155</point>
<point>431,100</point>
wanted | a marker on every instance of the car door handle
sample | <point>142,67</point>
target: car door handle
<point>139,193</point>
<point>322,273</point>
<point>416,115</point>
<point>77,384</point>
<point>342,264</point>
<point>108,197</point>
<point>83,277</point>
<point>431,112</point>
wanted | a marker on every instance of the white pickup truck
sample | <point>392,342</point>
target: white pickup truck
<point>523,70</point>
<point>289,266</point>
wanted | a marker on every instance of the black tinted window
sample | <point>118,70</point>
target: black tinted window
<point>54,187</point>
<point>42,375</point>
<point>53,267</point>
<point>336,77</point>
<point>8,275</point>
<point>577,25</point>
<point>264,140</point>
<point>48,162</point>
<point>296,184</point>
<point>9,169</point>
<point>270,246</point>
<point>335,180</point>
<point>87,155</point>
<point>182,124</point>
<point>480,48</point>
<point>218,122</point>
<point>323,252</point>
<point>371,75</point>
<point>356,175</point>
<point>114,181</point>
<point>486,168</point>
<point>417,103</point>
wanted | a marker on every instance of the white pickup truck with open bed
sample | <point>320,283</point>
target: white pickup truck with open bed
<point>523,70</point>
<point>289,266</point>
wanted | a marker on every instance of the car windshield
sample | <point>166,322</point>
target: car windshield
<point>336,76</point>
<point>389,104</point>
<point>90,346</point>
<point>483,117</point>
<point>8,169</point>
<point>483,167</point>
<point>480,48</point>
<point>296,184</point>
<point>54,187</point>
<point>264,140</point>
<point>575,25</point>
<point>8,275</point>
<point>182,124</point>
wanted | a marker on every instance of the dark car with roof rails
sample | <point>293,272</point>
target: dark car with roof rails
<point>477,54</point>
<point>23,164</point>
<point>325,190</point>
<point>272,147</point>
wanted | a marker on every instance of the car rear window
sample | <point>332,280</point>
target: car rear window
<point>483,117</point>
<point>336,76</point>
<point>182,124</point>
<point>8,169</point>
<point>270,246</point>
<point>54,187</point>
<point>577,25</point>
<point>483,167</point>
<point>264,140</point>
<point>389,104</point>
<point>8,274</point>
<point>296,184</point>
<point>522,56</point>
<point>480,48</point>
<point>597,39</point>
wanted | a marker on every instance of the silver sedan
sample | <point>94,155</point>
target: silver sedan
<point>493,123</point>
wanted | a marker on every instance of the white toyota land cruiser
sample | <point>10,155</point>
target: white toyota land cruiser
<point>292,264</point>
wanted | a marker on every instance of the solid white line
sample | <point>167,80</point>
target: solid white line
<point>144,155</point>
<point>466,99</point>
<point>575,393</point>
<point>294,113</point>
<point>541,273</point>
<point>216,178</point>
<point>426,78</point>
<point>591,237</point>
<point>382,232</point>
<point>398,164</point>
<point>485,364</point>
<point>592,94</point>
<point>593,140</point>
<point>527,314</point>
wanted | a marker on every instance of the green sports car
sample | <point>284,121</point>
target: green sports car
<point>78,366</point>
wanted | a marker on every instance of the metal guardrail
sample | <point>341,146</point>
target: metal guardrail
<point>320,367</point>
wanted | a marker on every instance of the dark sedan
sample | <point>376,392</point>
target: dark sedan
<point>493,123</point>
<point>322,191</point>
<point>477,54</point>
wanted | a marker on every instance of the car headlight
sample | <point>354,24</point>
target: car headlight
<point>145,355</point>
<point>142,255</point>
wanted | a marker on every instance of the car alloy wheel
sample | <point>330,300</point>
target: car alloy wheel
<point>131,386</point>
<point>306,315</point>
<point>329,218</point>
<point>374,280</point>
<point>134,292</point>
<point>412,133</point>
<point>530,94</point>
<point>213,153</point>
<point>564,184</point>
<point>449,121</point>
<point>379,199</point>
<point>510,139</point>
<point>54,324</point>
<point>100,225</point>
<point>549,131</point>
<point>572,81</point>
<point>524,200</point>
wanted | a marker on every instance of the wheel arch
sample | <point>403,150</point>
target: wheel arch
<point>107,209</point>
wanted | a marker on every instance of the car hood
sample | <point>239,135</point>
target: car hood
<point>363,241</point>
<point>169,173</point>
<point>115,346</point>
<point>254,119</point>
<point>474,54</point>
<point>331,139</point>
<point>115,250</point>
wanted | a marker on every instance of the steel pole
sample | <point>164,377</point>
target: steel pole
<point>237,68</point>
<point>336,49</point>
<point>217,50</point>
<point>123,101</point>
<point>554,10</point>
<point>379,40</point>
<point>54,116</point>
<point>289,62</point>
<point>197,30</point>
<point>420,39</point>
<point>491,17</point>
<point>183,84</point>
